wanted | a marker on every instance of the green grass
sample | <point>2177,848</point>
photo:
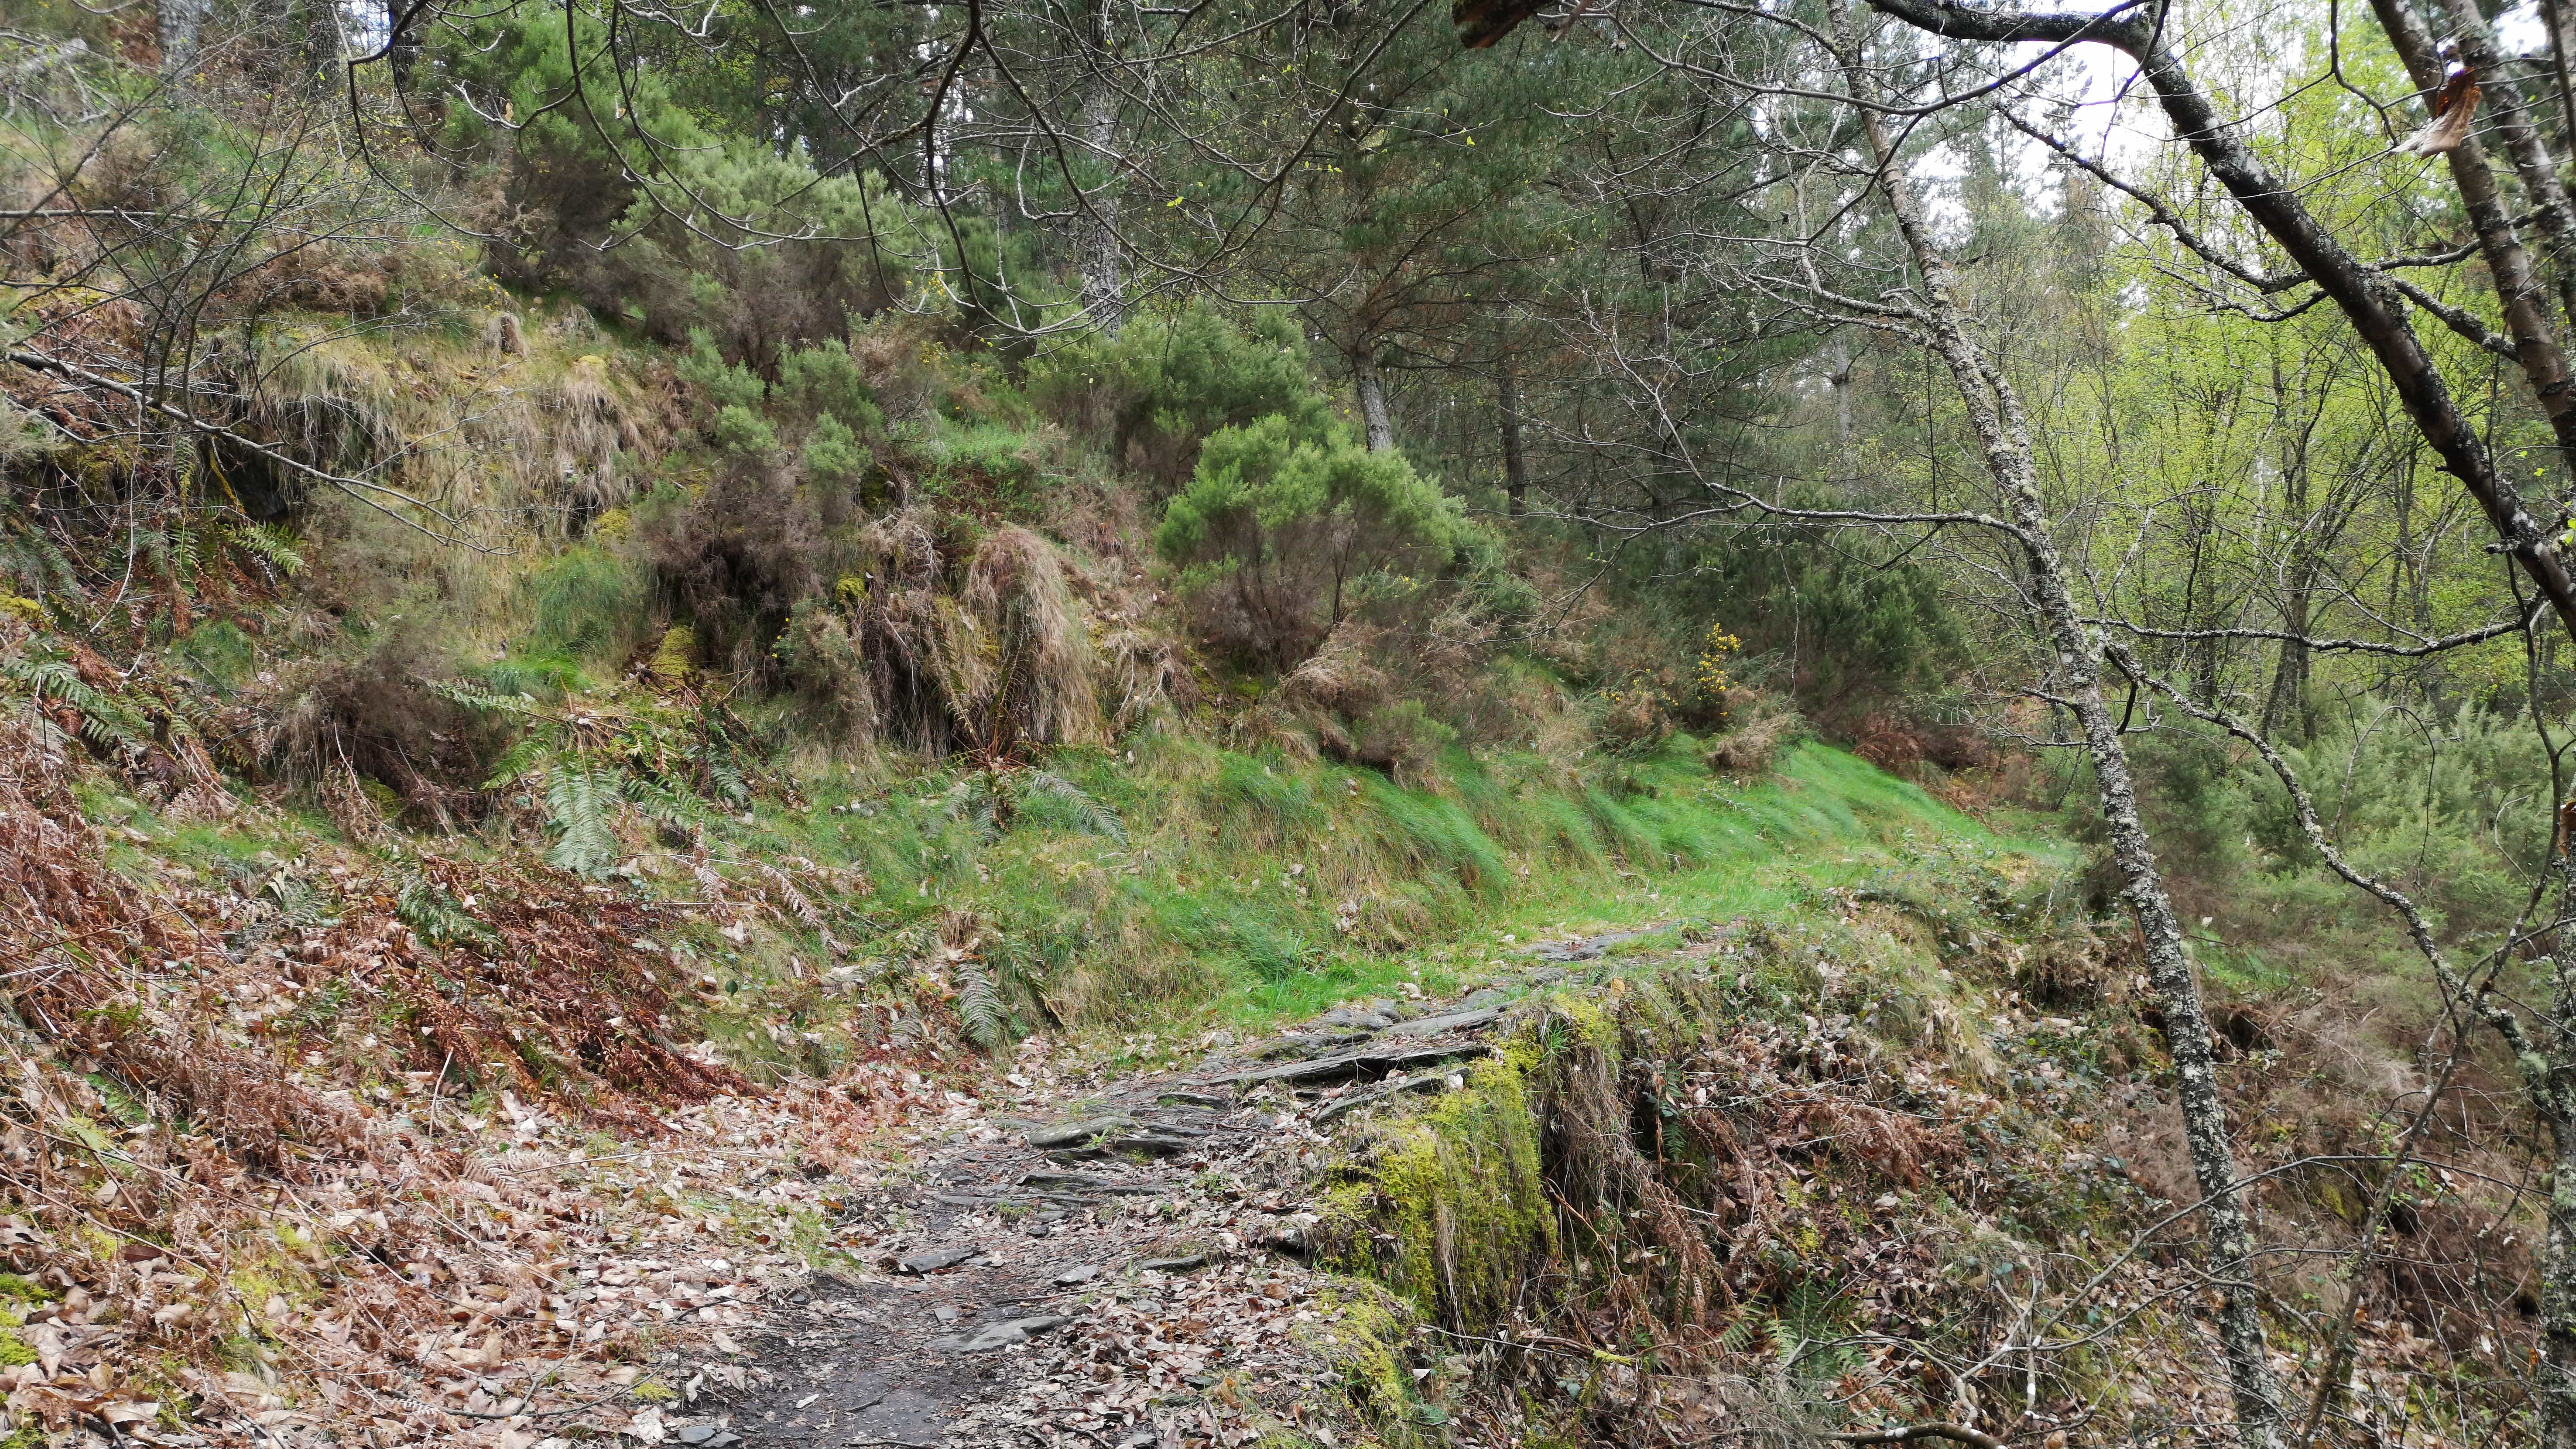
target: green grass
<point>1249,890</point>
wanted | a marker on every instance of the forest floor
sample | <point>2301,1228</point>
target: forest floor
<point>1124,1266</point>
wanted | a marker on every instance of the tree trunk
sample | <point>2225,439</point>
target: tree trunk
<point>2550,208</point>
<point>181,23</point>
<point>1373,418</point>
<point>1097,260</point>
<point>2003,429</point>
<point>2369,302</point>
<point>1841,381</point>
<point>2553,1091</point>
<point>1515,464</point>
<point>2287,704</point>
<point>2525,300</point>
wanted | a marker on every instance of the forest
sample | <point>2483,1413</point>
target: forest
<point>1287,723</point>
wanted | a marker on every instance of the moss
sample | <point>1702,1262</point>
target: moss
<point>19,1288</point>
<point>1449,1206</point>
<point>1361,1334</point>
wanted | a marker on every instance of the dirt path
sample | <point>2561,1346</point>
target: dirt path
<point>1123,1270</point>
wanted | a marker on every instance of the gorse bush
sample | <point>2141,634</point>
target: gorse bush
<point>1166,382</point>
<point>1282,524</point>
<point>819,248</point>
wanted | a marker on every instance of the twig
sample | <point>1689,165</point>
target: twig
<point>1956,1433</point>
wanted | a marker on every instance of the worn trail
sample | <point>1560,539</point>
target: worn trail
<point>1126,1269</point>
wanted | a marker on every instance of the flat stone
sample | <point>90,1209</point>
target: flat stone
<point>1427,1082</point>
<point>1140,1144</point>
<point>934,1259</point>
<point>1018,1330</point>
<point>1066,1134</point>
<point>1310,1044</point>
<point>1188,1264</point>
<point>1084,1182</point>
<point>1589,949</point>
<point>1355,1065</point>
<point>1454,1021</point>
<point>1196,1099</point>
<point>1488,996</point>
<point>1078,1273</point>
<point>709,1435</point>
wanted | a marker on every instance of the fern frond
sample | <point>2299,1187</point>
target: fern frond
<point>298,901</point>
<point>186,554</point>
<point>578,800</point>
<point>1090,815</point>
<point>439,917</point>
<point>529,755</point>
<point>105,723</point>
<point>475,696</point>
<point>731,784</point>
<point>658,801</point>
<point>271,545</point>
<point>979,1004</point>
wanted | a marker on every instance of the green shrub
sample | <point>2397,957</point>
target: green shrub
<point>726,384</point>
<point>1280,523</point>
<point>1167,382</point>
<point>834,459</point>
<point>734,236</point>
<point>740,430</point>
<point>824,382</point>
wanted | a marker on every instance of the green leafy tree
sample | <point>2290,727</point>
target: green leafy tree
<point>1280,521</point>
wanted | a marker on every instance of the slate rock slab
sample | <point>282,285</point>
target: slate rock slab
<point>933,1259</point>
<point>1017,1330</point>
<point>1438,1025</point>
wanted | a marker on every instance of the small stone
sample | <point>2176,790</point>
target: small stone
<point>935,1259</point>
<point>945,1313</point>
<point>1018,1330</point>
<point>1079,1273</point>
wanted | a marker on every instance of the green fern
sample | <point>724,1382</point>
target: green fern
<point>298,901</point>
<point>39,565</point>
<point>731,784</point>
<point>659,802</point>
<point>578,798</point>
<point>475,696</point>
<point>1809,1334</point>
<point>439,917</point>
<point>979,1004</point>
<point>105,723</point>
<point>1090,816</point>
<point>271,545</point>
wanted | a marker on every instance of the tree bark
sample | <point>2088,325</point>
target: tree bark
<point>2550,1077</point>
<point>2525,300</point>
<point>1515,464</point>
<point>2369,302</point>
<point>181,23</point>
<point>1374,421</point>
<point>1995,411</point>
<point>2550,209</point>
<point>1100,267</point>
